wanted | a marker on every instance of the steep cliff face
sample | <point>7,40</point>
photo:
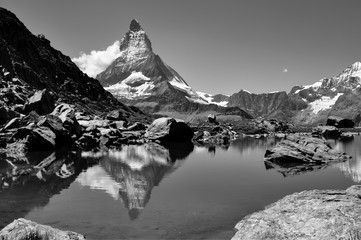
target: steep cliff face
<point>270,105</point>
<point>31,62</point>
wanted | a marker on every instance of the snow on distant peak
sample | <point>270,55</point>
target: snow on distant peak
<point>209,98</point>
<point>244,90</point>
<point>324,103</point>
<point>315,86</point>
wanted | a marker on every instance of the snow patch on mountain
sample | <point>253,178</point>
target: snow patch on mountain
<point>315,86</point>
<point>209,98</point>
<point>324,103</point>
<point>123,90</point>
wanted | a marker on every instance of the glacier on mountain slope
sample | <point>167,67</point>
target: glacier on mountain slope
<point>324,103</point>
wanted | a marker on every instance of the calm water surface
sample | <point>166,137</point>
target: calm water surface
<point>177,191</point>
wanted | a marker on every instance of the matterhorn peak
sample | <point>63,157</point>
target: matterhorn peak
<point>135,26</point>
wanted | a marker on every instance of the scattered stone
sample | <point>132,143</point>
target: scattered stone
<point>13,123</point>
<point>169,129</point>
<point>67,115</point>
<point>303,149</point>
<point>23,229</point>
<point>326,131</point>
<point>313,215</point>
<point>42,102</point>
<point>7,114</point>
<point>137,126</point>
<point>339,122</point>
<point>115,115</point>
<point>40,139</point>
<point>55,124</point>
<point>212,118</point>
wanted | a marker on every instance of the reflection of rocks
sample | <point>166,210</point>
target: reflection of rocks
<point>298,154</point>
<point>316,214</point>
<point>29,185</point>
<point>134,171</point>
<point>290,169</point>
<point>23,229</point>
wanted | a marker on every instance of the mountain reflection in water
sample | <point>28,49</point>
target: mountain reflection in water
<point>129,174</point>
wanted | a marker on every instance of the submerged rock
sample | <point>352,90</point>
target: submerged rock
<point>312,215</point>
<point>23,229</point>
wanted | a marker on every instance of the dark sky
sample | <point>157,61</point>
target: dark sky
<point>217,46</point>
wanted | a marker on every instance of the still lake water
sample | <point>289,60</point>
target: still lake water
<point>178,191</point>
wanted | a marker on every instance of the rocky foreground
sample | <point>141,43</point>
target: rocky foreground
<point>316,214</point>
<point>23,229</point>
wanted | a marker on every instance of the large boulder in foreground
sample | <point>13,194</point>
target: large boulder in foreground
<point>301,149</point>
<point>66,113</point>
<point>23,229</point>
<point>169,130</point>
<point>311,215</point>
<point>340,122</point>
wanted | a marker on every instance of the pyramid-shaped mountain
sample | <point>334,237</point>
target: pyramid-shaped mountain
<point>141,78</point>
<point>30,62</point>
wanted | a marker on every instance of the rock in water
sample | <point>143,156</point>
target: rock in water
<point>23,229</point>
<point>42,102</point>
<point>67,115</point>
<point>326,131</point>
<point>340,122</point>
<point>311,215</point>
<point>169,129</point>
<point>303,149</point>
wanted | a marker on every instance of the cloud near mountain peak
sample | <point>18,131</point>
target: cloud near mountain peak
<point>97,61</point>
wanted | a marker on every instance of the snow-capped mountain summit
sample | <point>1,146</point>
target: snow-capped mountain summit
<point>137,71</point>
<point>140,77</point>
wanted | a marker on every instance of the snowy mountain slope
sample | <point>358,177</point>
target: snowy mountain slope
<point>325,97</point>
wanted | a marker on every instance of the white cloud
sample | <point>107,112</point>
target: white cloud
<point>97,61</point>
<point>285,70</point>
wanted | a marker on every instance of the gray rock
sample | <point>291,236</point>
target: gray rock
<point>42,102</point>
<point>7,114</point>
<point>41,138</point>
<point>67,115</point>
<point>340,122</point>
<point>23,229</point>
<point>326,131</point>
<point>311,215</point>
<point>303,149</point>
<point>169,129</point>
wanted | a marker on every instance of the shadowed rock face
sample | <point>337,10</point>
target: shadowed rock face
<point>316,214</point>
<point>271,105</point>
<point>29,63</point>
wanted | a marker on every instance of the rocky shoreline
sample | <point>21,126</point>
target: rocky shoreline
<point>316,214</point>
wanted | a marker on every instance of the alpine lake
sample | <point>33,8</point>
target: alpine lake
<point>174,191</point>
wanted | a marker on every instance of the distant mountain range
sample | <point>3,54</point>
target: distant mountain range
<point>139,77</point>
